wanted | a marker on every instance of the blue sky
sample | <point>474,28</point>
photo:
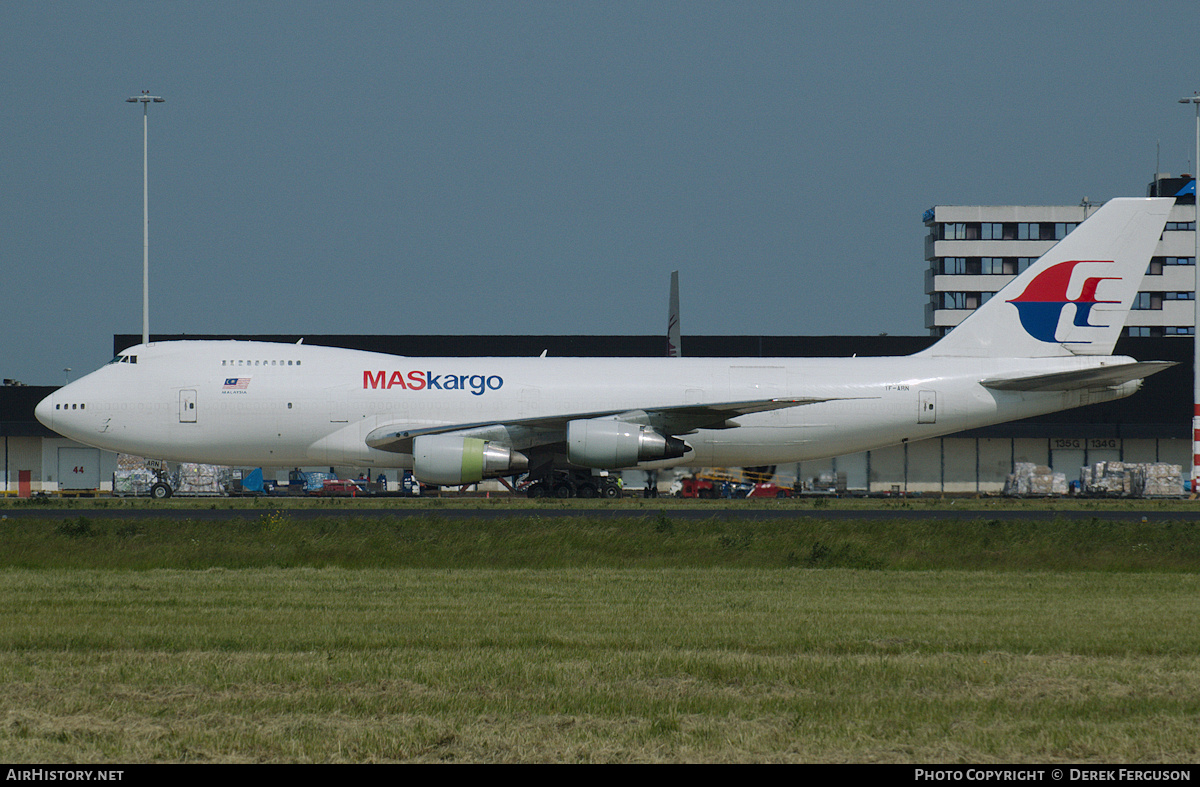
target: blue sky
<point>526,168</point>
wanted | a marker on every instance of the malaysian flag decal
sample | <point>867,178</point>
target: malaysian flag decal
<point>235,383</point>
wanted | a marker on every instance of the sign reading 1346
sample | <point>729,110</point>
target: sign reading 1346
<point>1081,442</point>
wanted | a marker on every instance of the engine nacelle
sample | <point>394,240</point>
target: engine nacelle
<point>605,443</point>
<point>450,459</point>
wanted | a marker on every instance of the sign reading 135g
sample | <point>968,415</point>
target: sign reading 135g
<point>1081,442</point>
<point>417,380</point>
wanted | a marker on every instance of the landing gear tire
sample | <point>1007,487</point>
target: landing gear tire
<point>612,490</point>
<point>160,491</point>
<point>587,490</point>
<point>562,491</point>
<point>537,490</point>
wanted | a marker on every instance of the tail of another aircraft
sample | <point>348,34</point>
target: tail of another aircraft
<point>674,350</point>
<point>1074,299</point>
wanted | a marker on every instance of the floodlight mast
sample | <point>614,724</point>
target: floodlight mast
<point>145,99</point>
<point>1195,101</point>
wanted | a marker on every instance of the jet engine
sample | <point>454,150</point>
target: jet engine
<point>450,459</point>
<point>607,443</point>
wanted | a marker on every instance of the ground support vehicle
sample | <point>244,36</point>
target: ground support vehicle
<point>769,490</point>
<point>338,487</point>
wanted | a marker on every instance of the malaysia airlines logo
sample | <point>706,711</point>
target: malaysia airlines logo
<point>1041,305</point>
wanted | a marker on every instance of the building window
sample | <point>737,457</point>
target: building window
<point>999,231</point>
<point>1144,301</point>
<point>1180,226</point>
<point>1044,230</point>
<point>961,230</point>
<point>1147,301</point>
<point>993,266</point>
<point>1157,331</point>
<point>1158,263</point>
<point>961,300</point>
<point>960,266</point>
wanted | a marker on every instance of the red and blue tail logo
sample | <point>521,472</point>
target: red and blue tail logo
<point>1041,304</point>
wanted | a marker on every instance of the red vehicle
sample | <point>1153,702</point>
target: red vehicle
<point>711,489</point>
<point>769,490</point>
<point>698,487</point>
<point>338,487</point>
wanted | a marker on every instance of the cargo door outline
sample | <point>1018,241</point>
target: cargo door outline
<point>339,409</point>
<point>927,407</point>
<point>187,406</point>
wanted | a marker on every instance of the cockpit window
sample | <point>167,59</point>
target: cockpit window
<point>124,359</point>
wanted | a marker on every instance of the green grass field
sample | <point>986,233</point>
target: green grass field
<point>636,639</point>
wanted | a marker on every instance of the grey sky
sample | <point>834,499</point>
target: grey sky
<point>439,167</point>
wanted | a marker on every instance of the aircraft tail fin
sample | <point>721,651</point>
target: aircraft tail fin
<point>1074,299</point>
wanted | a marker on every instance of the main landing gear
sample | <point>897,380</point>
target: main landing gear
<point>563,484</point>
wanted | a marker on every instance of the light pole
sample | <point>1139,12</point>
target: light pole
<point>1195,100</point>
<point>145,99</point>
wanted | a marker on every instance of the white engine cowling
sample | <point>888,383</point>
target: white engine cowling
<point>605,443</point>
<point>451,459</point>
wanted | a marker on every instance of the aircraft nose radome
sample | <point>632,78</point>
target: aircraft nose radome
<point>44,411</point>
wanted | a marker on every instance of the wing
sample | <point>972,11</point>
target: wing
<point>1103,376</point>
<point>672,420</point>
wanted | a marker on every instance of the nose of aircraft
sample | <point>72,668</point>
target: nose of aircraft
<point>44,411</point>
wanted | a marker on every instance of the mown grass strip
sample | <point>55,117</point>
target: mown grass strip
<point>278,539</point>
<point>632,503</point>
<point>604,665</point>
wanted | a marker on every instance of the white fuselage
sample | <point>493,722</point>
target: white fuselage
<point>255,404</point>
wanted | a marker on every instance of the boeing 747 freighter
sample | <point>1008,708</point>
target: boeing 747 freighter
<point>1041,344</point>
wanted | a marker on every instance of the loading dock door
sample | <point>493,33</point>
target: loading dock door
<point>78,468</point>
<point>187,406</point>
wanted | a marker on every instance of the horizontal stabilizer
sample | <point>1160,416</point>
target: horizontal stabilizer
<point>1083,378</point>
